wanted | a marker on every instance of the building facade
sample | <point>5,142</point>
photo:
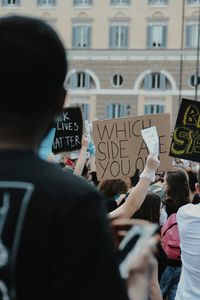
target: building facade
<point>126,57</point>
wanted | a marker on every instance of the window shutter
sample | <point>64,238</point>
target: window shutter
<point>109,111</point>
<point>161,109</point>
<point>148,82</point>
<point>123,110</point>
<point>88,37</point>
<point>162,81</point>
<point>111,37</point>
<point>125,33</point>
<point>76,2</point>
<point>73,81</point>
<point>188,35</point>
<point>146,109</point>
<point>74,33</point>
<point>164,37</point>
<point>87,81</point>
<point>17,2</point>
<point>149,37</point>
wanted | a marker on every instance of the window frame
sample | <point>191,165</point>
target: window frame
<point>80,77</point>
<point>119,3</point>
<point>155,103</point>
<point>6,4</point>
<point>46,4</point>
<point>191,2</point>
<point>81,27</point>
<point>118,80</point>
<point>116,110</point>
<point>89,4</point>
<point>188,35</point>
<point>151,3</point>
<point>116,40</point>
<point>160,82</point>
<point>150,28</point>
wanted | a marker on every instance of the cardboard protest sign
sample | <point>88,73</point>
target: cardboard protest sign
<point>186,136</point>
<point>120,148</point>
<point>69,130</point>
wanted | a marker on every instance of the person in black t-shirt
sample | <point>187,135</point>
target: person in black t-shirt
<point>55,239</point>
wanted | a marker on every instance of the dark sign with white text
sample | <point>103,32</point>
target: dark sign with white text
<point>186,136</point>
<point>69,130</point>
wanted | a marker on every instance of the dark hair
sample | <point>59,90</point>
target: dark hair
<point>150,208</point>
<point>135,178</point>
<point>111,187</point>
<point>177,191</point>
<point>33,65</point>
<point>192,179</point>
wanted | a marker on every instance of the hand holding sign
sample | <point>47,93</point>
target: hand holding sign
<point>151,139</point>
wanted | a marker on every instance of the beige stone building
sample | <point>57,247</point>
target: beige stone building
<point>126,57</point>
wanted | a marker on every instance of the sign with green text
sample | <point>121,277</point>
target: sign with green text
<point>186,136</point>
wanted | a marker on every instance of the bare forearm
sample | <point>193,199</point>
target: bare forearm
<point>81,162</point>
<point>133,201</point>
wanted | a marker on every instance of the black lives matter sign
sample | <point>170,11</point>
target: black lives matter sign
<point>186,136</point>
<point>69,130</point>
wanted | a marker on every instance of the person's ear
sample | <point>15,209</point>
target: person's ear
<point>197,187</point>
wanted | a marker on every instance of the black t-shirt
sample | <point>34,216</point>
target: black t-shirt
<point>55,238</point>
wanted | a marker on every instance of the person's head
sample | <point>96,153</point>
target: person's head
<point>33,67</point>
<point>192,175</point>
<point>111,188</point>
<point>150,208</point>
<point>176,184</point>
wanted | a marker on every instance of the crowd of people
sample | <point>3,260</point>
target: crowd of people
<point>61,230</point>
<point>154,199</point>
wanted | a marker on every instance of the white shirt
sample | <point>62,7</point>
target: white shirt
<point>188,219</point>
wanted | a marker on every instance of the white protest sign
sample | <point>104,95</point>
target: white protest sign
<point>151,139</point>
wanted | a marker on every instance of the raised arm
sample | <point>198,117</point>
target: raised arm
<point>82,157</point>
<point>138,194</point>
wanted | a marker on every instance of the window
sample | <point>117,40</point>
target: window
<point>82,2</point>
<point>154,81</point>
<point>116,110</point>
<point>154,106</point>
<point>120,2</point>
<point>156,36</point>
<point>192,36</point>
<point>81,36</point>
<point>193,1</point>
<point>80,80</point>
<point>10,2</point>
<point>158,2</point>
<point>46,2</point>
<point>117,80</point>
<point>118,36</point>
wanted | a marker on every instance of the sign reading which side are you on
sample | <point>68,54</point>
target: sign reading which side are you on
<point>69,130</point>
<point>120,148</point>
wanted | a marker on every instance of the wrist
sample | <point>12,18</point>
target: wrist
<point>149,174</point>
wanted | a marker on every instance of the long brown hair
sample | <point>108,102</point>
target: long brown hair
<point>177,191</point>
